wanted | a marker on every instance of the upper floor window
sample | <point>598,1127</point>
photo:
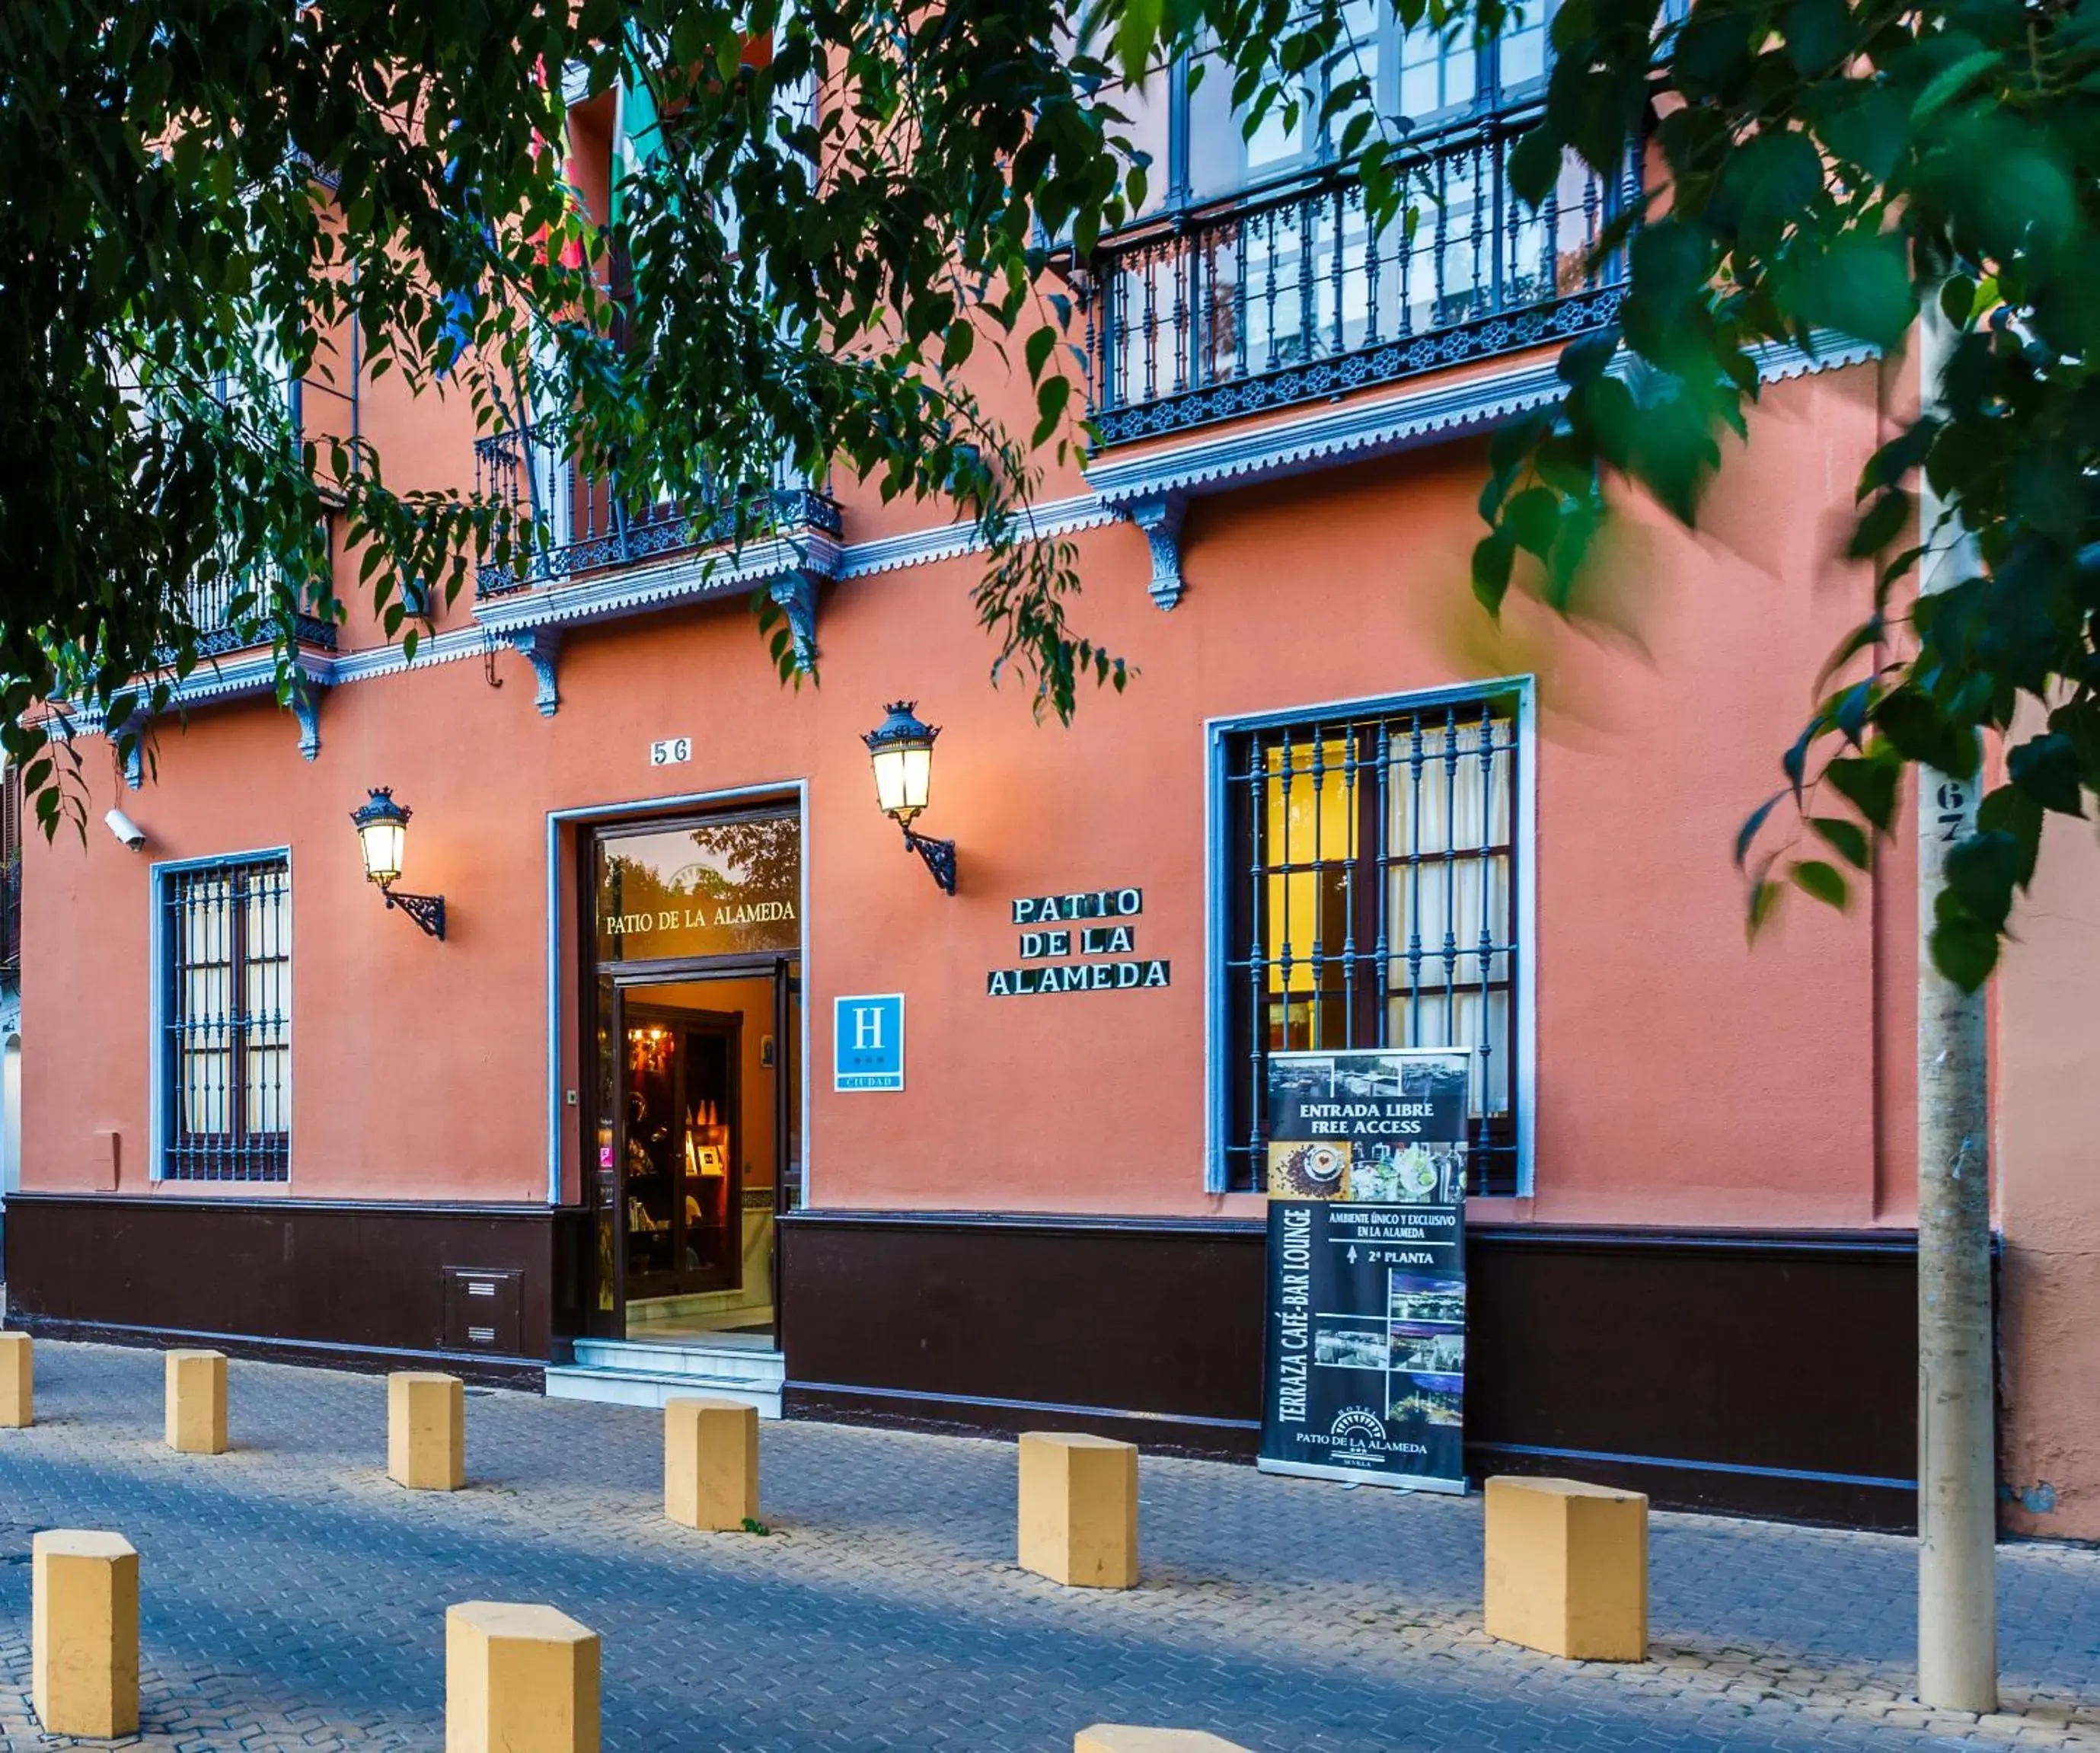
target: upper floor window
<point>1370,897</point>
<point>226,1002</point>
<point>1424,79</point>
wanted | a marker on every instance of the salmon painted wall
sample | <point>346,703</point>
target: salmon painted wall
<point>2049,1194</point>
<point>1683,1077</point>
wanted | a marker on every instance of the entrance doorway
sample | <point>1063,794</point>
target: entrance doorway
<point>694,1130</point>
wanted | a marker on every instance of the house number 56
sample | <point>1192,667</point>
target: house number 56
<point>672,752</point>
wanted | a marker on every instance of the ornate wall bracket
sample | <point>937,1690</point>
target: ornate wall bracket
<point>541,648</point>
<point>1159,515</point>
<point>795,594</point>
<point>134,762</point>
<point>306,704</point>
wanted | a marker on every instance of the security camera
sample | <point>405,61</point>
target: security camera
<point>128,832</point>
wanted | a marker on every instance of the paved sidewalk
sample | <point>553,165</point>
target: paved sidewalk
<point>294,1598</point>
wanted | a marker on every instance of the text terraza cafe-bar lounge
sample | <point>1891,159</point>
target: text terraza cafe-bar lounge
<point>654,1023</point>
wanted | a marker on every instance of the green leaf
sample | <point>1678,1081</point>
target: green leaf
<point>2047,768</point>
<point>1963,950</point>
<point>1038,352</point>
<point>1534,165</point>
<point>1860,287</point>
<point>1983,869</point>
<point>1868,783</point>
<point>1888,517</point>
<point>1493,557</point>
<point>1763,901</point>
<point>1532,518</point>
<point>1848,838</point>
<point>1820,881</point>
<point>1951,82</point>
<point>1756,819</point>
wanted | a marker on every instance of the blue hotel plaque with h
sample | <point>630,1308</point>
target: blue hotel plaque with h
<point>868,1043</point>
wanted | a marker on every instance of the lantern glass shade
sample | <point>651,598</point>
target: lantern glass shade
<point>902,749</point>
<point>904,778</point>
<point>382,830</point>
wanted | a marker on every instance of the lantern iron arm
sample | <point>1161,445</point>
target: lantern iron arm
<point>382,825</point>
<point>428,911</point>
<point>939,854</point>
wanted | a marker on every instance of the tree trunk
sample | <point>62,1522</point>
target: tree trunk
<point>1957,1639</point>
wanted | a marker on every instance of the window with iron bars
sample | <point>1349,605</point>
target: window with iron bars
<point>227,1050</point>
<point>1371,901</point>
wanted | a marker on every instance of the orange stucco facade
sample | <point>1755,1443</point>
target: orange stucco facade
<point>1649,741</point>
<point>1686,1081</point>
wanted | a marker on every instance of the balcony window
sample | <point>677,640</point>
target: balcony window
<point>572,522</point>
<point>1266,286</point>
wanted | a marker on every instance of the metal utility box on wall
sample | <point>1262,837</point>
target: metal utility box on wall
<point>482,1310</point>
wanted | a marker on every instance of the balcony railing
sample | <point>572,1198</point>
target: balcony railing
<point>1287,298</point>
<point>233,615</point>
<point>221,628</point>
<point>580,523</point>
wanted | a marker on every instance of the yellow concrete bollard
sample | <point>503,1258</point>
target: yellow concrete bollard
<point>18,1381</point>
<point>520,1680</point>
<point>1078,1510</point>
<point>84,1633</point>
<point>425,1431</point>
<point>710,1462</point>
<point>196,1402</point>
<point>1567,1569</point>
<point>1125,1737</point>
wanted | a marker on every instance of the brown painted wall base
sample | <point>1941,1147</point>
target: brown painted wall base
<point>309,1281</point>
<point>1769,1373</point>
<point>1760,1373</point>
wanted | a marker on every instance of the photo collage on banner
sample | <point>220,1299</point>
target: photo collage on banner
<point>1366,1355</point>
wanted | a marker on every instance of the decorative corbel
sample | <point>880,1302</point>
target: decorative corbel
<point>795,593</point>
<point>541,648</point>
<point>306,708</point>
<point>134,762</point>
<point>1159,516</point>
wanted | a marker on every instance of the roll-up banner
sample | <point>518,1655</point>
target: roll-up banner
<point>1366,1353</point>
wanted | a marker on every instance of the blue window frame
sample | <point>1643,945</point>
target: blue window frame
<point>1370,887</point>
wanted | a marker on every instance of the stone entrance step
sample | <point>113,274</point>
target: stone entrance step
<point>630,1372</point>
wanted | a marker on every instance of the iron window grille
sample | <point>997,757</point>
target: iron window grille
<point>227,948</point>
<point>1371,901</point>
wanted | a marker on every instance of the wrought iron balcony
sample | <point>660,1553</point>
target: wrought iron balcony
<point>232,615</point>
<point>582,523</point>
<point>1235,309</point>
<point>222,627</point>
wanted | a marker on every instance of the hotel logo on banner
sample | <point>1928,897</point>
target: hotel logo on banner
<point>1058,927</point>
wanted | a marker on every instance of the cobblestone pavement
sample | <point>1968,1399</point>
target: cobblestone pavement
<point>294,1598</point>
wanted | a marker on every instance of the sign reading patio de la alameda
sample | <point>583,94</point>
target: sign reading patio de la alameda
<point>1365,1361</point>
<point>1091,922</point>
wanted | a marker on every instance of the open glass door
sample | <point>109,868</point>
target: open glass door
<point>607,1148</point>
<point>693,1132</point>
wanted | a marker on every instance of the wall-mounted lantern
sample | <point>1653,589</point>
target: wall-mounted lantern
<point>383,830</point>
<point>902,751</point>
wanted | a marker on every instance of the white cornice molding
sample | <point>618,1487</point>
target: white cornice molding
<point>1152,488</point>
<point>446,647</point>
<point>688,578</point>
<point>1149,490</point>
<point>948,541</point>
<point>1380,426</point>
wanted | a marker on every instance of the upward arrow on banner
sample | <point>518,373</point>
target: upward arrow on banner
<point>1352,1253</point>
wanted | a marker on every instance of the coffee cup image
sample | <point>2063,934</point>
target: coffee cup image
<point>1300,1171</point>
